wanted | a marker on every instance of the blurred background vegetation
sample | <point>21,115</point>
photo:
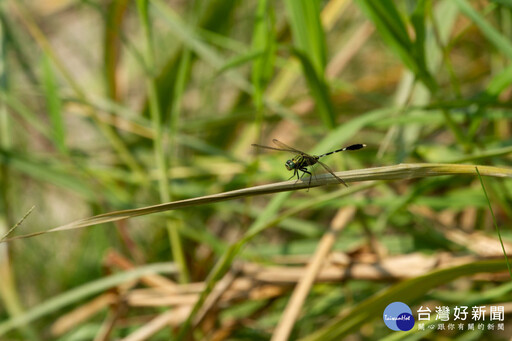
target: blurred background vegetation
<point>112,105</point>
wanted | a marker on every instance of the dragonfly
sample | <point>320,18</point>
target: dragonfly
<point>301,161</point>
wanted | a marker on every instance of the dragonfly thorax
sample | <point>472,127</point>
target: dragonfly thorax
<point>301,161</point>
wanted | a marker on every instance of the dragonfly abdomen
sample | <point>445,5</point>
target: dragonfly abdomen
<point>352,147</point>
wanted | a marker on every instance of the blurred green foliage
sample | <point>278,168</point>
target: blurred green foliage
<point>111,105</point>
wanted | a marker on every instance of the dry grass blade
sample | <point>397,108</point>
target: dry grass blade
<point>171,317</point>
<point>18,223</point>
<point>257,282</point>
<point>81,314</point>
<point>293,309</point>
<point>396,172</point>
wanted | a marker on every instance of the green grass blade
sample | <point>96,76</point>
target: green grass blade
<point>319,90</point>
<point>53,105</point>
<point>500,42</point>
<point>494,221</point>
<point>307,31</point>
<point>46,172</point>
<point>498,84</point>
<point>211,18</point>
<point>392,28</point>
<point>5,124</point>
<point>159,152</point>
<point>77,294</point>
<point>407,291</point>
<point>240,60</point>
<point>263,43</point>
<point>310,49</point>
<point>189,37</point>
<point>26,114</point>
<point>346,132</point>
<point>418,21</point>
<point>117,143</point>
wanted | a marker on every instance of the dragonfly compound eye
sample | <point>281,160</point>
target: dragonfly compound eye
<point>290,165</point>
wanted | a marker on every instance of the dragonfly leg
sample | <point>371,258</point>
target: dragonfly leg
<point>295,172</point>
<point>304,171</point>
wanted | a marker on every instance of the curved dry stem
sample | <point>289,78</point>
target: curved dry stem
<point>396,172</point>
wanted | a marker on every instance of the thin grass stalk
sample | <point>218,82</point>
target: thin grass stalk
<point>404,171</point>
<point>176,220</point>
<point>77,294</point>
<point>9,290</point>
<point>115,14</point>
<point>262,67</point>
<point>293,308</point>
<point>106,130</point>
<point>54,106</point>
<point>494,221</point>
<point>160,157</point>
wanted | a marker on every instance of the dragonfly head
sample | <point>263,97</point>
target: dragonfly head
<point>290,164</point>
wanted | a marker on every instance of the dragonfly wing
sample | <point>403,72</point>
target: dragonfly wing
<point>267,147</point>
<point>332,172</point>
<point>287,147</point>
